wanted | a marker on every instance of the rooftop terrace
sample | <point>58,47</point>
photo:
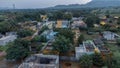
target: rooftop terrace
<point>41,61</point>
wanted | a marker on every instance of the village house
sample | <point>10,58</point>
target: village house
<point>78,23</point>
<point>49,24</point>
<point>41,61</point>
<point>110,35</point>
<point>62,24</point>
<point>49,34</point>
<point>88,47</point>
<point>100,45</point>
<point>5,39</point>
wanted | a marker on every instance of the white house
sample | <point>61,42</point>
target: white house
<point>110,35</point>
<point>4,40</point>
<point>88,47</point>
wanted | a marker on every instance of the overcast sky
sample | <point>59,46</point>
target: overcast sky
<point>38,3</point>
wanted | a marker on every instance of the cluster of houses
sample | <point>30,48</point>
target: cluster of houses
<point>88,46</point>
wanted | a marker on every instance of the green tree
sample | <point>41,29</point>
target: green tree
<point>18,50</point>
<point>118,21</point>
<point>43,29</point>
<point>62,44</point>
<point>67,16</point>
<point>59,15</point>
<point>39,39</point>
<point>81,39</point>
<point>67,33</point>
<point>118,41</point>
<point>89,22</point>
<point>36,39</point>
<point>24,33</point>
<point>111,61</point>
<point>86,61</point>
<point>43,38</point>
<point>98,60</point>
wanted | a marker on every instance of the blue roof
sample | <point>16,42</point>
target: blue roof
<point>65,24</point>
<point>51,35</point>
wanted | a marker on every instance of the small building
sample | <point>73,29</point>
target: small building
<point>88,47</point>
<point>49,34</point>
<point>4,40</point>
<point>41,61</point>
<point>98,41</point>
<point>110,35</point>
<point>100,45</point>
<point>49,24</point>
<point>78,23</point>
<point>62,24</point>
<point>11,33</point>
<point>77,18</point>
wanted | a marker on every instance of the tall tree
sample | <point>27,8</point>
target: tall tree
<point>24,32</point>
<point>86,61</point>
<point>67,33</point>
<point>62,44</point>
<point>67,16</point>
<point>18,50</point>
<point>81,39</point>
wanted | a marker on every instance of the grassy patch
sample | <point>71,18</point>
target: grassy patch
<point>115,49</point>
<point>89,37</point>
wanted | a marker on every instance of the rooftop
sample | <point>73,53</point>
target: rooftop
<point>40,61</point>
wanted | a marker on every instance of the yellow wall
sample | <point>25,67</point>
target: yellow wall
<point>59,24</point>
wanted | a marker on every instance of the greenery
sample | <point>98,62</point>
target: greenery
<point>66,33</point>
<point>98,60</point>
<point>62,44</point>
<point>40,38</point>
<point>81,39</point>
<point>91,20</point>
<point>38,48</point>
<point>18,50</point>
<point>24,33</point>
<point>118,41</point>
<point>86,61</point>
<point>6,26</point>
<point>43,29</point>
<point>118,21</point>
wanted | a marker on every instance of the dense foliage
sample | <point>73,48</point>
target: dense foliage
<point>62,44</point>
<point>66,33</point>
<point>86,61</point>
<point>24,33</point>
<point>18,50</point>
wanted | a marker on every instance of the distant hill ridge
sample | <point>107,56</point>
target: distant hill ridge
<point>93,3</point>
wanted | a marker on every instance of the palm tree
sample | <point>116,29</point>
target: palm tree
<point>86,61</point>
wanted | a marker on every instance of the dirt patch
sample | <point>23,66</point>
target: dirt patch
<point>3,53</point>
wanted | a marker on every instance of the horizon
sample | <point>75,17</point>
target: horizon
<point>34,4</point>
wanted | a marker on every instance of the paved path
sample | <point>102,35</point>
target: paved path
<point>36,33</point>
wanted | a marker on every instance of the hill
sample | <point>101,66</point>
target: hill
<point>92,4</point>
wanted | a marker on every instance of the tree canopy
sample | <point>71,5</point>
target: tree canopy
<point>24,33</point>
<point>81,39</point>
<point>86,61</point>
<point>62,44</point>
<point>18,50</point>
<point>66,33</point>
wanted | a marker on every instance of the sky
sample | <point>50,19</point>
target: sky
<point>21,4</point>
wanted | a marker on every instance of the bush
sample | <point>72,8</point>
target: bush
<point>24,33</point>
